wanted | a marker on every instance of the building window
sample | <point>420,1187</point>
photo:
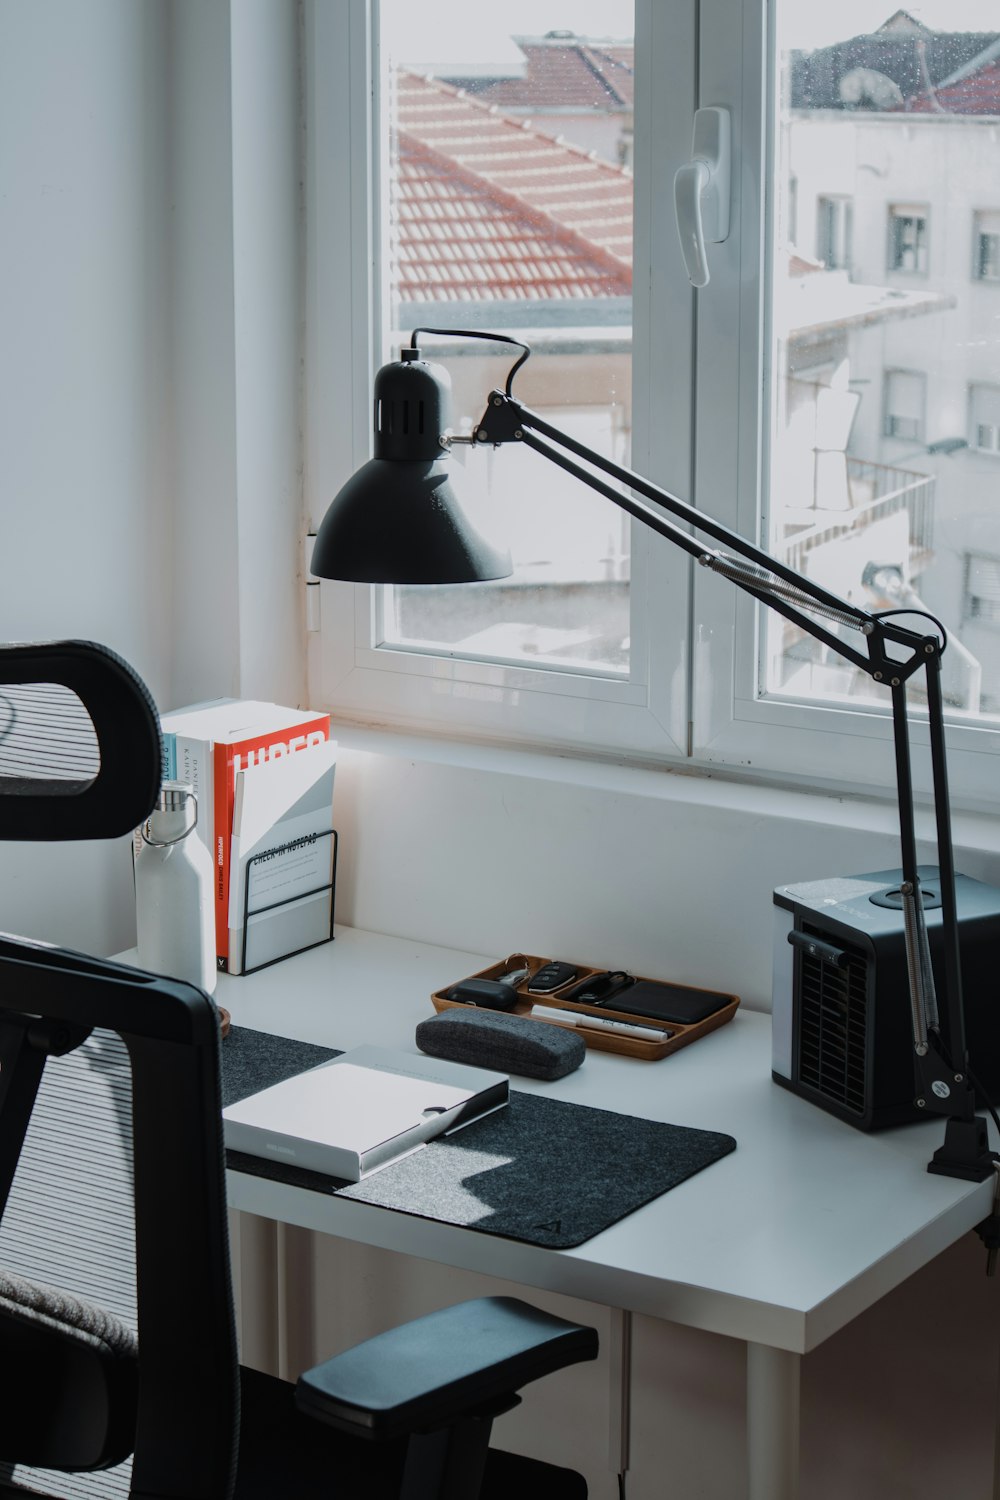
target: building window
<point>984,418</point>
<point>982,589</point>
<point>905,396</point>
<point>834,228</point>
<point>986,247</point>
<point>908,239</point>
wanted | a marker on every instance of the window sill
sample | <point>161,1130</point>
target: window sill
<point>692,785</point>
<point>666,872</point>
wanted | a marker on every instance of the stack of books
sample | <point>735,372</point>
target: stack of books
<point>263,778</point>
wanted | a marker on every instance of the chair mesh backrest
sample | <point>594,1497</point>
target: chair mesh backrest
<point>80,758</point>
<point>46,734</point>
<point>70,1219</point>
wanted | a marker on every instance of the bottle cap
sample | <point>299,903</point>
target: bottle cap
<point>174,796</point>
<point>163,826</point>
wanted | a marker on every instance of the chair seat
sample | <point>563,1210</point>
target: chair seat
<point>284,1453</point>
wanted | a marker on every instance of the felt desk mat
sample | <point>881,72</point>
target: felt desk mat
<point>542,1170</point>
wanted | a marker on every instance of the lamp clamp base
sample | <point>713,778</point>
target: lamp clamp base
<point>965,1153</point>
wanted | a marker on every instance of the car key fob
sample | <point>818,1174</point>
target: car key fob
<point>551,976</point>
<point>599,988</point>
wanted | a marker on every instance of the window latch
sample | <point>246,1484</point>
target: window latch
<point>701,192</point>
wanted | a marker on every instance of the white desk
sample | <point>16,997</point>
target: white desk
<point>780,1244</point>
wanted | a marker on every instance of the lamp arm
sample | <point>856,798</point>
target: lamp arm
<point>506,420</point>
<point>943,1082</point>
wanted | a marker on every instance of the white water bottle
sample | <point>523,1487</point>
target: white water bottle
<point>174,907</point>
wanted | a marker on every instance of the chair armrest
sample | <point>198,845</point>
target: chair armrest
<point>433,1371</point>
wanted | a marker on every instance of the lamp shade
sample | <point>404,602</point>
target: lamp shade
<point>398,518</point>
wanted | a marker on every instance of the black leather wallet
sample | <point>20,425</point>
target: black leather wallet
<point>668,1002</point>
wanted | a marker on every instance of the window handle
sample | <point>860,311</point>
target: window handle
<point>701,192</point>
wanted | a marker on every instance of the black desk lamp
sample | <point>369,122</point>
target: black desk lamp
<point>399,520</point>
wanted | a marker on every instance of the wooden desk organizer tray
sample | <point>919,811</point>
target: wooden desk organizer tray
<point>677,1034</point>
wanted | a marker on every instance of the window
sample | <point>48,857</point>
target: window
<point>509,209</point>
<point>984,404</point>
<point>904,405</point>
<point>788,400</point>
<point>838,430</point>
<point>835,218</point>
<point>504,201</point>
<point>986,246</point>
<point>908,240</point>
<point>982,589</point>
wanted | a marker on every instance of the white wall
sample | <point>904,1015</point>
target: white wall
<point>235,278</point>
<point>149,442</point>
<point>84,441</point>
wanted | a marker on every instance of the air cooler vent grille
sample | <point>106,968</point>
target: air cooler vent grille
<point>833,1026</point>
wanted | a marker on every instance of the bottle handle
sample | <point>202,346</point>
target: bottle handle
<point>146,832</point>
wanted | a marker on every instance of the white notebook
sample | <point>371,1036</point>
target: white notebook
<point>361,1110</point>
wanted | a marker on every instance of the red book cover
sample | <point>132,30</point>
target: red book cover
<point>230,757</point>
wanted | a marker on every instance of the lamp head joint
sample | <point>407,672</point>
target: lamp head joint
<point>500,422</point>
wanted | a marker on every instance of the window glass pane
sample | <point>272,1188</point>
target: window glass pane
<point>982,587</point>
<point>904,404</point>
<point>885,352</point>
<point>986,246</point>
<point>908,239</point>
<point>510,210</point>
<point>985,406</point>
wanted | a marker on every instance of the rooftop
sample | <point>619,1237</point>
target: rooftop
<point>816,302</point>
<point>562,72</point>
<point>895,67</point>
<point>975,93</point>
<point>490,209</point>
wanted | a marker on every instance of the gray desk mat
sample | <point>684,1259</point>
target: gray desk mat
<point>542,1170</point>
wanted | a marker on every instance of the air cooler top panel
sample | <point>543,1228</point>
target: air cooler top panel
<point>848,899</point>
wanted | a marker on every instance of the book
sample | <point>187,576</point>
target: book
<point>361,1111</point>
<point>206,744</point>
<point>283,732</point>
<point>187,744</point>
<point>281,857</point>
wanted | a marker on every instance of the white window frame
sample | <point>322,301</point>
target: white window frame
<point>830,747</point>
<point>646,716</point>
<point>699,639</point>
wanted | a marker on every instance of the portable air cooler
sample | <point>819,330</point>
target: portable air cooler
<point>841,1034</point>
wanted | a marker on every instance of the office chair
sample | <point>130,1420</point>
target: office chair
<point>406,1414</point>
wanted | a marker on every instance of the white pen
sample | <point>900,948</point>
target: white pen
<point>599,1023</point>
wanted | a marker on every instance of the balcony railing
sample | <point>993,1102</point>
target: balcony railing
<point>876,491</point>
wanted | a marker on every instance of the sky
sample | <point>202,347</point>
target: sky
<point>474,31</point>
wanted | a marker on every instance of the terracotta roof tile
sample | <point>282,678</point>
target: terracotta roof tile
<point>978,94</point>
<point>564,73</point>
<point>487,208</point>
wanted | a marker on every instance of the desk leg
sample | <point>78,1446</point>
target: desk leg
<point>772,1423</point>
